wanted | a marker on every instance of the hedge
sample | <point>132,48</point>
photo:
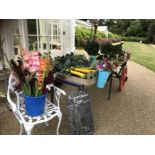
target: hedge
<point>82,33</point>
<point>134,39</point>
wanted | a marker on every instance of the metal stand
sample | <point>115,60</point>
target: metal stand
<point>79,86</point>
<point>52,94</point>
<point>110,86</point>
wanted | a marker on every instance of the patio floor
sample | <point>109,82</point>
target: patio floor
<point>131,112</point>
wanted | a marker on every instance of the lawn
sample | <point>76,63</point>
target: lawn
<point>143,54</point>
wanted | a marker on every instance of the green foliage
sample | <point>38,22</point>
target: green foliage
<point>68,61</point>
<point>82,33</point>
<point>92,47</point>
<point>134,39</point>
<point>109,48</point>
<point>129,27</point>
<point>85,33</point>
<point>151,33</point>
<point>112,35</point>
<point>110,51</point>
<point>118,26</point>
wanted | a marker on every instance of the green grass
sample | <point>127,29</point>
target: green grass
<point>143,54</point>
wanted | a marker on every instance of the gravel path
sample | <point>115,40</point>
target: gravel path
<point>129,112</point>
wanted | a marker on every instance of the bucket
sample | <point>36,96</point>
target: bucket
<point>35,105</point>
<point>102,78</point>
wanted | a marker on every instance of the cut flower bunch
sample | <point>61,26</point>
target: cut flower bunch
<point>34,70</point>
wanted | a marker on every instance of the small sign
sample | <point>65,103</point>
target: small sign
<point>80,116</point>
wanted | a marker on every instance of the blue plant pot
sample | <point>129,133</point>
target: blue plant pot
<point>35,105</point>
<point>102,78</point>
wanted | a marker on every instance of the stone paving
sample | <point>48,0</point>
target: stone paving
<point>131,112</point>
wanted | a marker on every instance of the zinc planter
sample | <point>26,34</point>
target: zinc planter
<point>102,78</point>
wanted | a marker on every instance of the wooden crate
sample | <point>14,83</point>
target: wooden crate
<point>86,82</point>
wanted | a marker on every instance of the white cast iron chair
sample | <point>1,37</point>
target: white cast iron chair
<point>18,108</point>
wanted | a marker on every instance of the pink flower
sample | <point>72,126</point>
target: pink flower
<point>26,65</point>
<point>33,69</point>
<point>26,55</point>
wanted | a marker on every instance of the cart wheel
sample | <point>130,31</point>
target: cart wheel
<point>123,78</point>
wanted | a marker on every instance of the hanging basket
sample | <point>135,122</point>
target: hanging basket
<point>35,105</point>
<point>102,78</point>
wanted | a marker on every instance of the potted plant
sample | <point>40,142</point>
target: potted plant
<point>33,70</point>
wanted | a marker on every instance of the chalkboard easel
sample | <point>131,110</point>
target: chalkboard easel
<point>80,116</point>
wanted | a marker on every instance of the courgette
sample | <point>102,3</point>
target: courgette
<point>85,70</point>
<point>78,74</point>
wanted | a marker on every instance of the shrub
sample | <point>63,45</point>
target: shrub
<point>151,33</point>
<point>111,35</point>
<point>105,45</point>
<point>82,33</point>
<point>134,39</point>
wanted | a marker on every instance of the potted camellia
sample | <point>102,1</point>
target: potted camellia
<point>33,70</point>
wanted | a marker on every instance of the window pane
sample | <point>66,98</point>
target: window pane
<point>16,44</point>
<point>32,43</point>
<point>31,24</point>
<point>44,43</point>
<point>54,26</point>
<point>15,27</point>
<point>15,30</point>
<point>59,32</point>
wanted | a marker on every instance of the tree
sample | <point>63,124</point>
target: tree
<point>129,27</point>
<point>151,33</point>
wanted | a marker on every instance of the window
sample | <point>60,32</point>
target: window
<point>44,34</point>
<point>56,35</point>
<point>33,35</point>
<point>16,37</point>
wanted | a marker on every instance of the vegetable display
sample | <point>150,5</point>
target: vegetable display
<point>83,70</point>
<point>75,65</point>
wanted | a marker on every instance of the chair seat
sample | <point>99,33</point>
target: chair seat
<point>50,112</point>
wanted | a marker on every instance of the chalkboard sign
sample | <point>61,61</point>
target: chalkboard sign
<point>80,116</point>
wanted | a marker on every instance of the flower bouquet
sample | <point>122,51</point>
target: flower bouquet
<point>33,71</point>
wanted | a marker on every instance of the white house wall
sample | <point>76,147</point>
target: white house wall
<point>6,33</point>
<point>68,42</point>
<point>67,35</point>
<point>72,35</point>
<point>22,23</point>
